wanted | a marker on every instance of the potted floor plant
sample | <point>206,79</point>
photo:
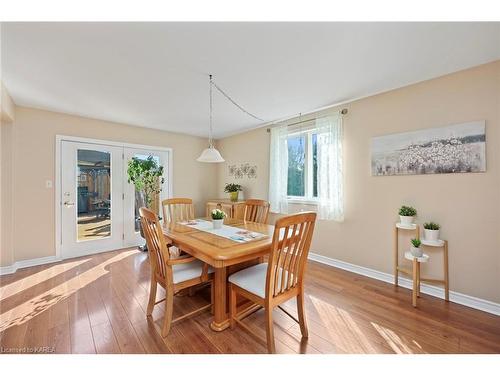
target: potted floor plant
<point>147,177</point>
<point>407,215</point>
<point>233,190</point>
<point>415,249</point>
<point>218,218</point>
<point>431,231</point>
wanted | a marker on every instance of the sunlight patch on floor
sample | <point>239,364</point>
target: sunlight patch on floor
<point>21,285</point>
<point>339,321</point>
<point>35,306</point>
<point>394,341</point>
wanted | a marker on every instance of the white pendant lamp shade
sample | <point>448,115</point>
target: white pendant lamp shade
<point>211,155</point>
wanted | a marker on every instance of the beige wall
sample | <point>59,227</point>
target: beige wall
<point>6,105</point>
<point>33,145</point>
<point>6,253</point>
<point>467,205</point>
<point>7,115</point>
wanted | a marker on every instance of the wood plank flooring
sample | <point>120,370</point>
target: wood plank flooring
<point>97,304</point>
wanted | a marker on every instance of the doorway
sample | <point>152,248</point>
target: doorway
<point>96,207</point>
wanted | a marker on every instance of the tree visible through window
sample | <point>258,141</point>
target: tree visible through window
<point>296,167</point>
<point>303,165</point>
<point>315,164</point>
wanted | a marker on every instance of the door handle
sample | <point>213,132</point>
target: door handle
<point>69,204</point>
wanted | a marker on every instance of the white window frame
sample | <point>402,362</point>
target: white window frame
<point>308,172</point>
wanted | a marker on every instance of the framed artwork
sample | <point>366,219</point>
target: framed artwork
<point>242,170</point>
<point>457,148</point>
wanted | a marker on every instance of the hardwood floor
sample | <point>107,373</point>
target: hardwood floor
<point>97,304</point>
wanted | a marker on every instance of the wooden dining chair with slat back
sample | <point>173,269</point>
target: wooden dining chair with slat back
<point>270,284</point>
<point>173,275</point>
<point>256,210</point>
<point>177,209</point>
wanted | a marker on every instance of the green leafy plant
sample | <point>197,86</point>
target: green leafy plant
<point>218,214</point>
<point>407,211</point>
<point>231,188</point>
<point>416,242</point>
<point>146,175</point>
<point>431,226</point>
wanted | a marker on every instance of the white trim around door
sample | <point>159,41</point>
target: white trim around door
<point>98,142</point>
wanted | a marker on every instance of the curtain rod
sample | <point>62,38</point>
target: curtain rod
<point>343,111</point>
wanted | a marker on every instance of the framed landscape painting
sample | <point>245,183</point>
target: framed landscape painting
<point>457,148</point>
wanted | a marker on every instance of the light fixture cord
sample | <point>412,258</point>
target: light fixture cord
<point>234,102</point>
<point>211,109</point>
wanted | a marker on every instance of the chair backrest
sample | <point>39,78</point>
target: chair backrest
<point>157,246</point>
<point>256,210</point>
<point>177,209</point>
<point>289,251</point>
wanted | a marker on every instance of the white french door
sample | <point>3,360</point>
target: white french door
<point>98,207</point>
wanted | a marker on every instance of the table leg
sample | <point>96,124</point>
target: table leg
<point>221,321</point>
<point>414,292</point>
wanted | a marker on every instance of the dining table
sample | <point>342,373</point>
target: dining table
<point>224,255</point>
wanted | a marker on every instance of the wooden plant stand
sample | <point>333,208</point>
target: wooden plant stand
<point>415,271</point>
<point>445,281</point>
<point>397,268</point>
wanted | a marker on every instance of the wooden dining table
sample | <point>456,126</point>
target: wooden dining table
<point>223,254</point>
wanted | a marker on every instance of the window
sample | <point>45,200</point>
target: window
<point>306,165</point>
<point>302,165</point>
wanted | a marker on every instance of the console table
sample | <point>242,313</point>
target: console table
<point>233,210</point>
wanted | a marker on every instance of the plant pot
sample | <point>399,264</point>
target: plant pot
<point>217,223</point>
<point>406,220</point>
<point>416,251</point>
<point>233,196</point>
<point>431,235</point>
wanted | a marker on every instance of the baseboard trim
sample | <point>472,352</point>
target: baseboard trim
<point>432,290</point>
<point>27,263</point>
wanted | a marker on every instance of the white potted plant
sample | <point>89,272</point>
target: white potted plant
<point>415,249</point>
<point>218,218</point>
<point>431,231</point>
<point>407,215</point>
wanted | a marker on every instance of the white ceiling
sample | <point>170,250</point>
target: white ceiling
<point>156,74</point>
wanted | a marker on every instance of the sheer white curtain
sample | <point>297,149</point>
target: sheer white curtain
<point>330,168</point>
<point>278,170</point>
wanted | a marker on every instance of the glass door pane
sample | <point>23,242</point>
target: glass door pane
<point>139,199</point>
<point>93,194</point>
<point>91,198</point>
<point>133,200</point>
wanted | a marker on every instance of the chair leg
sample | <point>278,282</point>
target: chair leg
<point>169,310</point>
<point>232,305</point>
<point>302,314</point>
<point>152,297</point>
<point>270,330</point>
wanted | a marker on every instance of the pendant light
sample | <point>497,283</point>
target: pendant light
<point>210,154</point>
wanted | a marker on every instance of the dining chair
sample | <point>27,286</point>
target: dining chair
<point>270,284</point>
<point>173,275</point>
<point>177,209</point>
<point>174,210</point>
<point>256,210</point>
